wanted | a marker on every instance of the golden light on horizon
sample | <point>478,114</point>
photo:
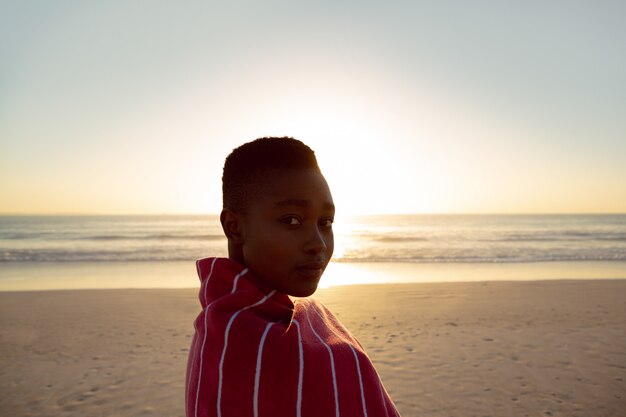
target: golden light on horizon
<point>388,141</point>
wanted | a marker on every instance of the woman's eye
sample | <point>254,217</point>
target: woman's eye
<point>327,223</point>
<point>291,221</point>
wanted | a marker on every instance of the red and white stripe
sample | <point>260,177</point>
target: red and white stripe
<point>260,355</point>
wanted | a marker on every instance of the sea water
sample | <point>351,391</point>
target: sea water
<point>39,252</point>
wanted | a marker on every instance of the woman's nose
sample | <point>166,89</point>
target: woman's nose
<point>316,243</point>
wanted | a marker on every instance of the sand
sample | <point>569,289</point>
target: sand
<point>542,348</point>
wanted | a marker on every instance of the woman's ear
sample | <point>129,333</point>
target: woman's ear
<point>232,224</point>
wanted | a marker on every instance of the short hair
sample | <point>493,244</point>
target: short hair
<point>249,166</point>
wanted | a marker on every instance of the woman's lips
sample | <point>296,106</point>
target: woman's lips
<point>311,270</point>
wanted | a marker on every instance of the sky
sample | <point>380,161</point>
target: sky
<point>130,107</point>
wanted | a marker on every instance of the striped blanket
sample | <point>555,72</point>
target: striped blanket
<point>257,353</point>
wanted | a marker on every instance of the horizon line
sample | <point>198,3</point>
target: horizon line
<point>95,214</point>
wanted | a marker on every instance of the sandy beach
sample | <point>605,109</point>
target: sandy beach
<point>536,348</point>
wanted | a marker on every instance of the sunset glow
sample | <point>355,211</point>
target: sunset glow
<point>474,114</point>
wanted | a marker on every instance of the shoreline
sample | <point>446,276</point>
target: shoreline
<point>24,276</point>
<point>324,290</point>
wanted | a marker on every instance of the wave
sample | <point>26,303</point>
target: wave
<point>557,237</point>
<point>422,239</point>
<point>163,255</point>
<point>486,259</point>
<point>97,256</point>
<point>108,237</point>
<point>391,239</point>
<point>158,236</point>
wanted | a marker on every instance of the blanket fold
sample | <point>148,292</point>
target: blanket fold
<point>257,353</point>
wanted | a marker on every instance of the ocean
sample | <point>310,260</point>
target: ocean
<point>40,245</point>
